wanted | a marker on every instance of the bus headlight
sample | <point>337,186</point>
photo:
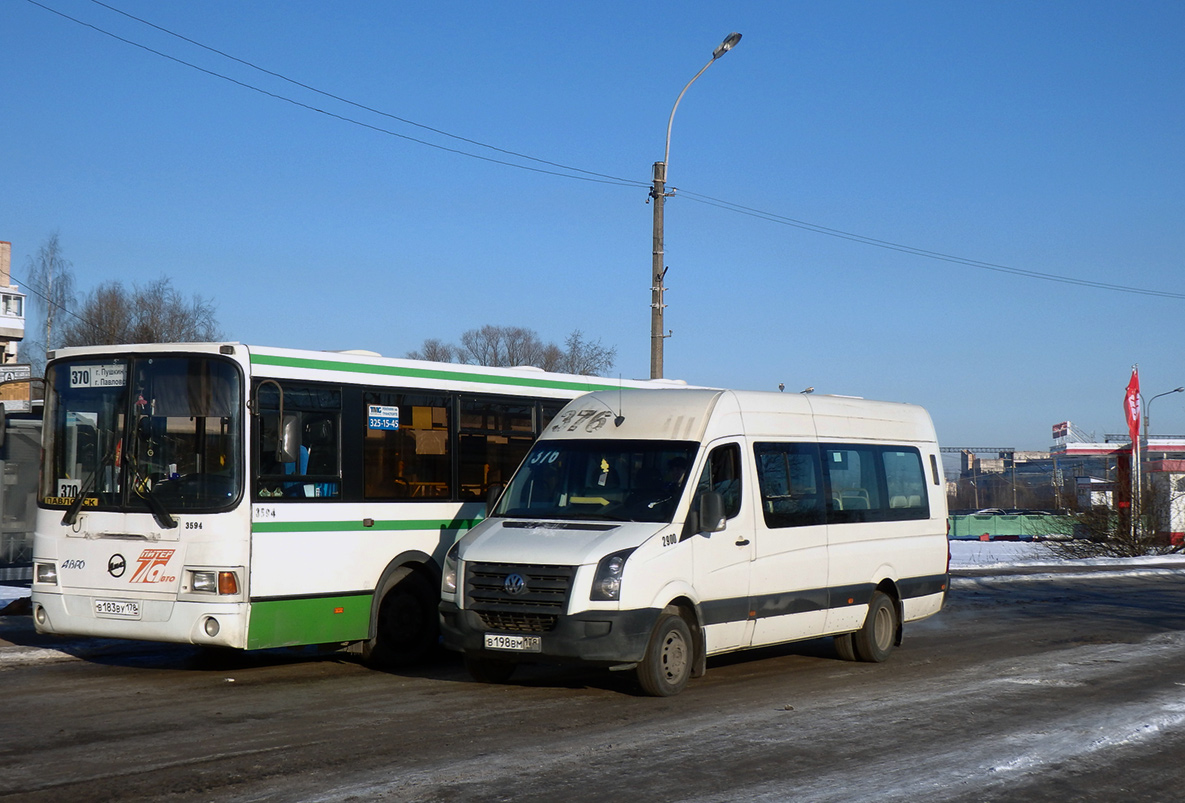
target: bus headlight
<point>225,583</point>
<point>206,582</point>
<point>45,573</point>
<point>449,577</point>
<point>606,585</point>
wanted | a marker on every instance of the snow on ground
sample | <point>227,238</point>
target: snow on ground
<point>989,554</point>
<point>9,593</point>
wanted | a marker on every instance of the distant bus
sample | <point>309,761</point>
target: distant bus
<point>248,497</point>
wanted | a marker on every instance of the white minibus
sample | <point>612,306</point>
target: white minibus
<point>651,530</point>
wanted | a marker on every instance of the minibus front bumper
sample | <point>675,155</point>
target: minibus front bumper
<point>599,637</point>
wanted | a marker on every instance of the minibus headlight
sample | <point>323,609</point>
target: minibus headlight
<point>45,573</point>
<point>449,577</point>
<point>606,585</point>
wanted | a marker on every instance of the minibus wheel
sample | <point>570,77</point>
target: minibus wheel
<point>874,641</point>
<point>488,670</point>
<point>669,659</point>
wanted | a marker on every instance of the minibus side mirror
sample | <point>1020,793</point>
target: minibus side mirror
<point>711,512</point>
<point>706,515</point>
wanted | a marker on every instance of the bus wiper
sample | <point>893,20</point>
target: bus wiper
<point>71,514</point>
<point>162,516</point>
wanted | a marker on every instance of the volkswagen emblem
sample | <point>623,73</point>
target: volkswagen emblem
<point>117,565</point>
<point>515,584</point>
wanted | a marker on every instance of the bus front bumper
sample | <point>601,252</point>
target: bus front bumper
<point>206,624</point>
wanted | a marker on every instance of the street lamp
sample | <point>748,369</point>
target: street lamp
<point>659,194</point>
<point>1148,408</point>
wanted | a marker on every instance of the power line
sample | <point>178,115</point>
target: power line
<point>586,175</point>
<point>363,106</point>
<point>593,177</point>
<point>922,252</point>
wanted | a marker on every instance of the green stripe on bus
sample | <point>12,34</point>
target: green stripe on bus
<point>318,620</point>
<point>354,525</point>
<point>425,373</point>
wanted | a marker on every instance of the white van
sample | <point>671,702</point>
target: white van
<point>651,529</point>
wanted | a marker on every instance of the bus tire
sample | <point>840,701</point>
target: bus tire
<point>874,641</point>
<point>843,646</point>
<point>408,623</point>
<point>669,659</point>
<point>488,670</point>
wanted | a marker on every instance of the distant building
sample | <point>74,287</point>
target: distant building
<point>12,309</point>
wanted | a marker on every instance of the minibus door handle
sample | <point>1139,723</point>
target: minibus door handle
<point>743,542</point>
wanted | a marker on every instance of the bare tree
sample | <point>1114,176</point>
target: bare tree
<point>585,357</point>
<point>508,346</point>
<point>501,346</point>
<point>1122,533</point>
<point>151,313</point>
<point>50,280</point>
<point>435,350</point>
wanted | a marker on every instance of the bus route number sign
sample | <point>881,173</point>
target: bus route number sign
<point>382,416</point>
<point>98,376</point>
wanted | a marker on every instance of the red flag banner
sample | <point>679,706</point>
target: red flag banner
<point>1131,406</point>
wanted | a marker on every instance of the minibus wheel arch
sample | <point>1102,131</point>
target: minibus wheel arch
<point>690,614</point>
<point>881,631</point>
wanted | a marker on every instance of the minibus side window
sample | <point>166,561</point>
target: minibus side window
<point>722,473</point>
<point>855,489</point>
<point>791,484</point>
<point>905,481</point>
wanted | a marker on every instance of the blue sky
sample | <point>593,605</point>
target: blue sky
<point>1040,136</point>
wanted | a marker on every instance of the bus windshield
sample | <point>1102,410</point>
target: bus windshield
<point>159,433</point>
<point>614,480</point>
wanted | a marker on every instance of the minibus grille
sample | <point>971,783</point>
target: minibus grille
<point>518,597</point>
<point>517,622</point>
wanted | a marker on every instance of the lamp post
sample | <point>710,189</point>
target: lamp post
<point>659,194</point>
<point>1148,409</point>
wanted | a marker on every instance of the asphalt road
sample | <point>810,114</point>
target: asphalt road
<point>1034,688</point>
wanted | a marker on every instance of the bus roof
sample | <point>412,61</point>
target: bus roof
<point>329,366</point>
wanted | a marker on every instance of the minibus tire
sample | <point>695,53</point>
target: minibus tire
<point>408,623</point>
<point>843,646</point>
<point>489,670</point>
<point>669,659</point>
<point>874,641</point>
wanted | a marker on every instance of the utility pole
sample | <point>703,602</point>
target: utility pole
<point>659,193</point>
<point>658,271</point>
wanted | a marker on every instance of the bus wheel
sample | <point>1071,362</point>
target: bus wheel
<point>664,671</point>
<point>488,670</point>
<point>408,626</point>
<point>874,641</point>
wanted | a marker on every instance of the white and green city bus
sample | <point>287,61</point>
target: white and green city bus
<point>237,496</point>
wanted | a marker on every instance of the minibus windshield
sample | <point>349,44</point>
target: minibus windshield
<point>613,480</point>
